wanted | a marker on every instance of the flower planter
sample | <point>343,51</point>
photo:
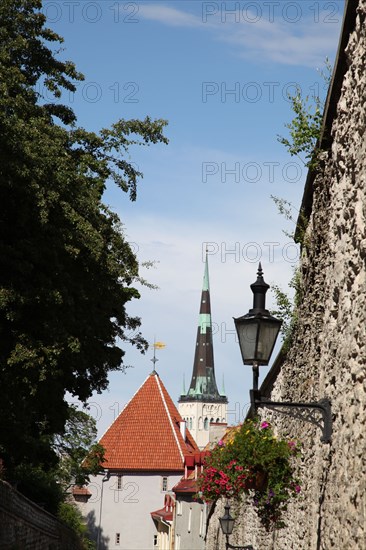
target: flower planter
<point>258,482</point>
<point>256,462</point>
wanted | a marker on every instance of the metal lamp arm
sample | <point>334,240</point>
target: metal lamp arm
<point>323,405</point>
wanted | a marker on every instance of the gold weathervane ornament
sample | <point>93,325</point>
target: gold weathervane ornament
<point>155,346</point>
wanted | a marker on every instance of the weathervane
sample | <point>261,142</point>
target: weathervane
<point>156,345</point>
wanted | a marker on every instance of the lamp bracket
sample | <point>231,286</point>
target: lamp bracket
<point>323,406</point>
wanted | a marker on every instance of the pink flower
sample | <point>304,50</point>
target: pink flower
<point>264,425</point>
<point>297,489</point>
<point>220,443</point>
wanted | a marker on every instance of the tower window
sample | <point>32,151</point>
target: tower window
<point>205,423</point>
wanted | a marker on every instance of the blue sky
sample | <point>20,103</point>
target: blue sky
<point>219,72</point>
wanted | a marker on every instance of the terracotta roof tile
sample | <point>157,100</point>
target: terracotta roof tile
<point>146,434</point>
<point>77,490</point>
<point>166,513</point>
<point>186,485</point>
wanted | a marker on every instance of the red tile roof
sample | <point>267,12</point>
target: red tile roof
<point>83,491</point>
<point>146,435</point>
<point>193,467</point>
<point>166,513</point>
<point>186,485</point>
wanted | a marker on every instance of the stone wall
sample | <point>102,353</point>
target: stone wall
<point>328,355</point>
<point>23,525</point>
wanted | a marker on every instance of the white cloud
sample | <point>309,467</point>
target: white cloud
<point>306,42</point>
<point>169,16</point>
<point>301,44</point>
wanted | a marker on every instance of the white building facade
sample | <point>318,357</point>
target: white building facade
<point>145,448</point>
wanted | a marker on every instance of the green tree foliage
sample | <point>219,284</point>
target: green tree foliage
<point>70,515</point>
<point>305,131</point>
<point>305,127</point>
<point>67,271</point>
<point>287,307</point>
<point>79,454</point>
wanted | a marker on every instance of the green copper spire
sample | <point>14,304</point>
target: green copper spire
<point>206,281</point>
<point>203,385</point>
<point>223,386</point>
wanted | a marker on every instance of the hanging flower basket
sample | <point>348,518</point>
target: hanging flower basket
<point>258,482</point>
<point>256,463</point>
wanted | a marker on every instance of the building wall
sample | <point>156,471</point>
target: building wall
<point>198,415</point>
<point>127,510</point>
<point>328,355</point>
<point>190,524</point>
<point>23,524</point>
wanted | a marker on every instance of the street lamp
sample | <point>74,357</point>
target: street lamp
<point>257,333</point>
<point>227,521</point>
<point>227,525</point>
<point>257,330</point>
<point>105,478</point>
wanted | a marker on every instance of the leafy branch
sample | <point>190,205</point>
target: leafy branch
<point>305,128</point>
<point>287,308</point>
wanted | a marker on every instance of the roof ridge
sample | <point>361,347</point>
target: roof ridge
<point>126,405</point>
<point>170,419</point>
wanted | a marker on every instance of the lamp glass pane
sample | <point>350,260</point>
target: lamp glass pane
<point>268,332</point>
<point>247,333</point>
<point>227,524</point>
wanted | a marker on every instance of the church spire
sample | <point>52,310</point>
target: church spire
<point>203,385</point>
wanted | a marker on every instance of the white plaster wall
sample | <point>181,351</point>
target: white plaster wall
<point>127,511</point>
<point>193,539</point>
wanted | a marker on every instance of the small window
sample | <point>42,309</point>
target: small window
<point>118,538</point>
<point>190,423</point>
<point>155,541</point>
<point>119,482</point>
<point>164,484</point>
<point>205,423</point>
<point>179,507</point>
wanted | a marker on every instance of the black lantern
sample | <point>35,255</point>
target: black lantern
<point>227,525</point>
<point>258,329</point>
<point>227,522</point>
<point>257,332</point>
